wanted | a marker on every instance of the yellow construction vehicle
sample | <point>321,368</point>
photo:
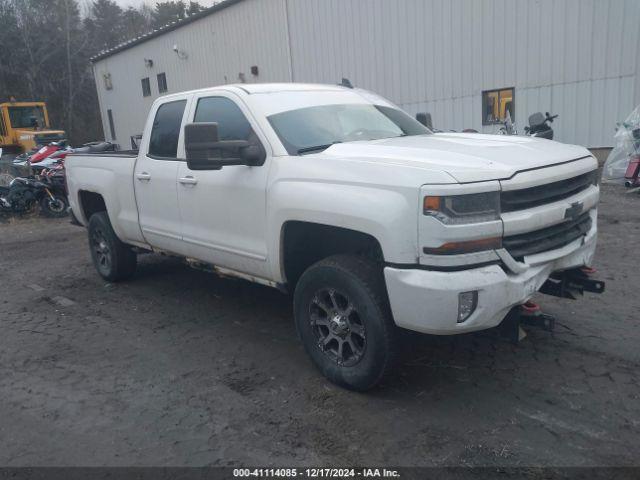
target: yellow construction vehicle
<point>24,126</point>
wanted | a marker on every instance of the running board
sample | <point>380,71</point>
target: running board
<point>571,283</point>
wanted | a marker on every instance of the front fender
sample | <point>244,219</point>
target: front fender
<point>389,215</point>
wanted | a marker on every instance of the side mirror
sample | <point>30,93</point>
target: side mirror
<point>205,151</point>
<point>425,119</point>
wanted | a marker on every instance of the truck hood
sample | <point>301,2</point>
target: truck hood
<point>467,157</point>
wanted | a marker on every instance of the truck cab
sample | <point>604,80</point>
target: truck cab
<point>25,125</point>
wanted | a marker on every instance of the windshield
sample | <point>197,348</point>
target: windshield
<point>26,117</point>
<point>315,128</point>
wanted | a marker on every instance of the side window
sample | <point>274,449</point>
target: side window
<point>496,104</point>
<point>166,130</point>
<point>232,124</point>
<point>162,82</point>
<point>112,127</point>
<point>146,87</point>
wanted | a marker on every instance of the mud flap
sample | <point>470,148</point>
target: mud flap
<point>72,218</point>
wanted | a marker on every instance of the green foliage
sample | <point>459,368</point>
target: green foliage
<point>134,23</point>
<point>172,11</point>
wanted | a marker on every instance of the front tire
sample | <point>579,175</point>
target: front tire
<point>55,207</point>
<point>343,318</point>
<point>113,259</point>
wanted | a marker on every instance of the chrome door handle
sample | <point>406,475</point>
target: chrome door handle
<point>188,180</point>
<point>143,176</point>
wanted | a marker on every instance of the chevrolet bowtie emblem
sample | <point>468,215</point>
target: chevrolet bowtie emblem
<point>574,211</point>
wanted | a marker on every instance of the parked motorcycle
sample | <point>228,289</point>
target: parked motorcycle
<point>56,176</point>
<point>43,153</point>
<point>53,150</point>
<point>540,125</point>
<point>25,193</point>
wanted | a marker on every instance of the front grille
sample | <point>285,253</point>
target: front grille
<point>548,238</point>
<point>551,192</point>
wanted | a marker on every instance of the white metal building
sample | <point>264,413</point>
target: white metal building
<point>576,58</point>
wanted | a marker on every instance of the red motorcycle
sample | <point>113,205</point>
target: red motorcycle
<point>53,150</point>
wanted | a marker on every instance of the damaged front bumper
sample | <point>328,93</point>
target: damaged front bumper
<point>427,301</point>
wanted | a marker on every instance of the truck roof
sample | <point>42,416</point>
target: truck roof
<point>287,87</point>
<point>254,88</point>
<point>272,98</point>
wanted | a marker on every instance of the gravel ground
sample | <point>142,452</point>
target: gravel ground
<point>180,367</point>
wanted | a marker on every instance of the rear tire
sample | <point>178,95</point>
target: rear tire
<point>343,318</point>
<point>113,259</point>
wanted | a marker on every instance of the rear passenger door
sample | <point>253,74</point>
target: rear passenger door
<point>155,175</point>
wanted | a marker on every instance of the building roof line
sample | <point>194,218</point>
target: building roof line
<point>162,30</point>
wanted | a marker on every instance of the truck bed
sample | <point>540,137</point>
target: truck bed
<point>110,176</point>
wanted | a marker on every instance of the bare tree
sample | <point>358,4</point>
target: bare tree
<point>47,46</point>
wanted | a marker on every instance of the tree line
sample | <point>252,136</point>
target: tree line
<point>47,46</point>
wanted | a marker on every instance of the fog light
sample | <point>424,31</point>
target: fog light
<point>467,303</point>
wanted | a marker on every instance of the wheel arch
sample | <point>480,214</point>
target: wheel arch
<point>304,243</point>
<point>91,203</point>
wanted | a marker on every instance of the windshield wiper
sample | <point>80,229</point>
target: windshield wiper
<point>316,147</point>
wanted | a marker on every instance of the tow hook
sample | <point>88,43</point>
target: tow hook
<point>529,314</point>
<point>565,284</point>
<point>571,283</point>
<point>532,314</point>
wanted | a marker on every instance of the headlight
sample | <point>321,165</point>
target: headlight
<point>464,209</point>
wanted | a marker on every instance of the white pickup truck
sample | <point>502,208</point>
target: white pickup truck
<point>372,221</point>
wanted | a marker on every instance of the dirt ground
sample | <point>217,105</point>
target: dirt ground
<point>180,367</point>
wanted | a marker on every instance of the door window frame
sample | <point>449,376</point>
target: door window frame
<point>243,108</point>
<point>180,155</point>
